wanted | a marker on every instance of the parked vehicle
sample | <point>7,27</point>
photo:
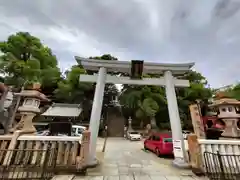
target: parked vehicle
<point>134,136</point>
<point>43,133</point>
<point>47,133</point>
<point>78,130</point>
<point>185,134</point>
<point>160,144</point>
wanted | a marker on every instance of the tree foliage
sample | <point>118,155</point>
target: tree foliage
<point>232,92</point>
<point>26,59</point>
<point>70,90</point>
<point>147,103</point>
<point>235,92</point>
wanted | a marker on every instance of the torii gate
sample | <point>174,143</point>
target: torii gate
<point>167,70</point>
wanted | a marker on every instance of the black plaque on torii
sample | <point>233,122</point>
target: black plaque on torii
<point>136,69</point>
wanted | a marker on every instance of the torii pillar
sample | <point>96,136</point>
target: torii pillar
<point>96,115</point>
<point>122,66</point>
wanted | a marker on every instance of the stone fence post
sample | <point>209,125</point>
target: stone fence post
<point>195,154</point>
<point>84,150</point>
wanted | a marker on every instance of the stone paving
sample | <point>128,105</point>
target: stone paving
<point>125,160</point>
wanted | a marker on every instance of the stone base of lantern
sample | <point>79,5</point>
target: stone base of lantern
<point>25,124</point>
<point>231,129</point>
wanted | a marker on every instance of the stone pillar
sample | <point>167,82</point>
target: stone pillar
<point>26,124</point>
<point>178,142</point>
<point>231,129</point>
<point>82,160</point>
<point>195,154</point>
<point>96,115</point>
<point>197,122</point>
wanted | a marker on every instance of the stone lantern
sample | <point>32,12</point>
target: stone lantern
<point>228,112</point>
<point>29,109</point>
<point>130,124</point>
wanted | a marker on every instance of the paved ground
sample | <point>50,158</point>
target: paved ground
<point>125,160</point>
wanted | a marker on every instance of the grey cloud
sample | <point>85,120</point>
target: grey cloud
<point>203,31</point>
<point>122,23</point>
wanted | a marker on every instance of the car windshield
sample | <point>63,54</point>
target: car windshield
<point>134,132</point>
<point>80,130</point>
<point>167,139</point>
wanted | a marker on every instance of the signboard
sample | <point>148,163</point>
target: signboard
<point>197,122</point>
<point>177,148</point>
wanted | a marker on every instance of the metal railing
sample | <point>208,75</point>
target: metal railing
<point>26,164</point>
<point>222,166</point>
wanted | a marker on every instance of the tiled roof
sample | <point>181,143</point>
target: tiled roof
<point>63,110</point>
<point>32,93</point>
<point>225,101</point>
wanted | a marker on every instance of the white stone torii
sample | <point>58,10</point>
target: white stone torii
<point>168,80</point>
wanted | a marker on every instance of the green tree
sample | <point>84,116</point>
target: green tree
<point>142,103</point>
<point>198,90</point>
<point>148,103</point>
<point>104,57</point>
<point>110,89</point>
<point>26,59</point>
<point>235,93</point>
<point>232,92</point>
<point>70,90</point>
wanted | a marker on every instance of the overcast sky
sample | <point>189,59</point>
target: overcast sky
<point>206,32</point>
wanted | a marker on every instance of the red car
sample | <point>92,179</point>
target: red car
<point>160,144</point>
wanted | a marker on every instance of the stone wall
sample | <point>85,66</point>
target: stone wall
<point>70,153</point>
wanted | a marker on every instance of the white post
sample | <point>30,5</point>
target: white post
<point>178,142</point>
<point>96,115</point>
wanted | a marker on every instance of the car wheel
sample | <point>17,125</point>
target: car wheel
<point>157,152</point>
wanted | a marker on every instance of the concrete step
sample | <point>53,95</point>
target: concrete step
<point>63,177</point>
